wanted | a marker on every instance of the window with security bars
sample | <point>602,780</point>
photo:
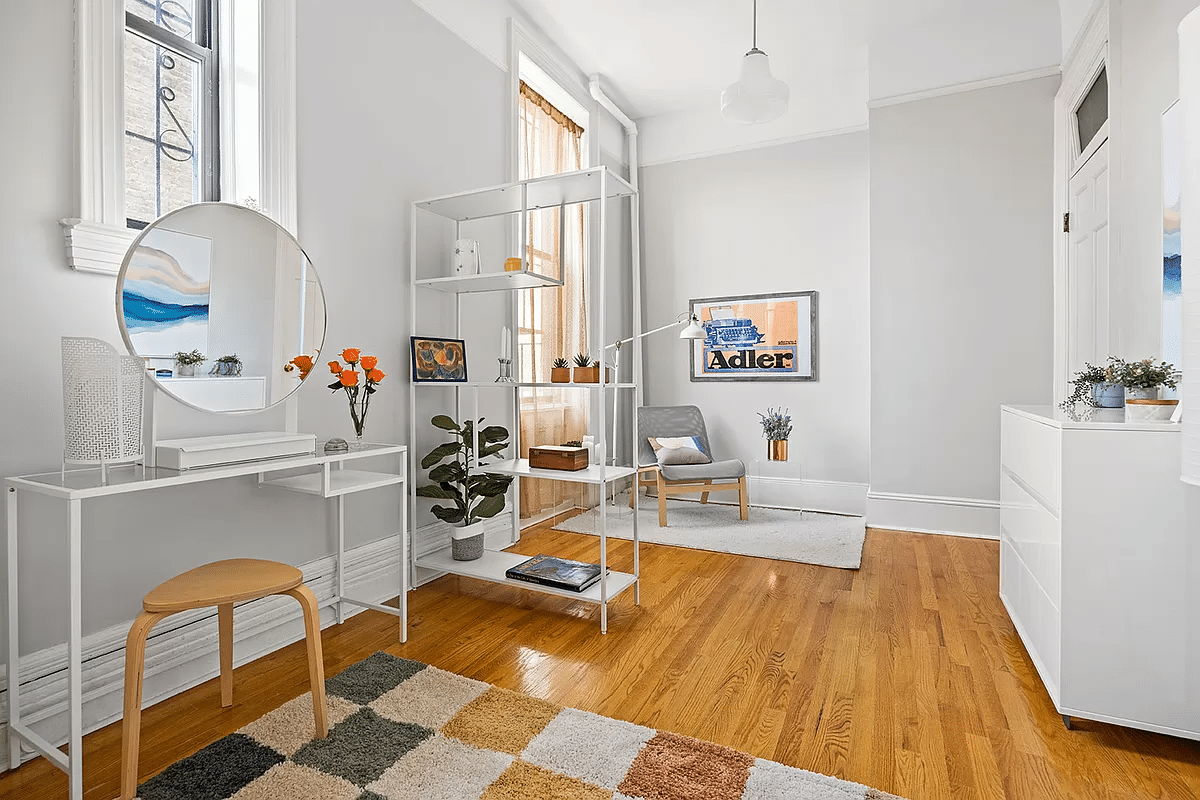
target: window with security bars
<point>170,107</point>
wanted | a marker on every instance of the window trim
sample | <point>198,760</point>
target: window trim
<point>96,237</point>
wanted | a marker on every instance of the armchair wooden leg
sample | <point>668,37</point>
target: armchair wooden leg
<point>131,730</point>
<point>316,663</point>
<point>744,496</point>
<point>704,495</point>
<point>662,501</point>
<point>225,639</point>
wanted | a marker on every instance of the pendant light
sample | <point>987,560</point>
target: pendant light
<point>757,96</point>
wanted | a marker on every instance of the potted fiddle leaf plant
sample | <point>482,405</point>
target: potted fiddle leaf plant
<point>560,372</point>
<point>475,494</point>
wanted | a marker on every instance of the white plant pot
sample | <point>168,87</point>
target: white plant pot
<point>185,370</point>
<point>1141,394</point>
<point>466,543</point>
<point>1149,410</point>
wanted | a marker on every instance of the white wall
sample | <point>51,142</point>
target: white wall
<point>1144,74</point>
<point>961,291</point>
<point>784,218</point>
<point>1072,14</point>
<point>362,160</point>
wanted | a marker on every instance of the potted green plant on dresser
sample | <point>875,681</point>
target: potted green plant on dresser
<point>1143,380</point>
<point>476,495</point>
<point>187,362</point>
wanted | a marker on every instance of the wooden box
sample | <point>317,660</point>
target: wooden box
<point>553,456</point>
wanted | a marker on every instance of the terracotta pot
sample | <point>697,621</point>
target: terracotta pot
<point>560,374</point>
<point>586,374</point>
<point>777,449</point>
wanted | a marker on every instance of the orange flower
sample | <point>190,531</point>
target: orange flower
<point>335,367</point>
<point>350,355</point>
<point>376,375</point>
<point>369,362</point>
<point>349,377</point>
<point>305,363</point>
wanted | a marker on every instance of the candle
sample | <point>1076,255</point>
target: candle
<point>505,344</point>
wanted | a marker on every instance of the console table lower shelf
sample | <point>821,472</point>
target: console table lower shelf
<point>492,565</point>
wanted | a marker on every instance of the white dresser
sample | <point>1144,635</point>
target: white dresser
<point>1094,556</point>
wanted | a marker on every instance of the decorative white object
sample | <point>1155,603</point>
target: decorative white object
<point>1094,566</point>
<point>1150,410</point>
<point>757,96</point>
<point>102,404</point>
<point>466,257</point>
<point>209,451</point>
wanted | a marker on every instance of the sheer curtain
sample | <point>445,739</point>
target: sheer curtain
<point>552,323</point>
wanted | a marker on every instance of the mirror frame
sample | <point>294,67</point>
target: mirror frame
<point>120,306</point>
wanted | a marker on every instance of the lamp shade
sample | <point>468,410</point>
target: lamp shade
<point>694,330</point>
<point>757,96</point>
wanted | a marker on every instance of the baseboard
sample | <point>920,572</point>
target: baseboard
<point>799,494</point>
<point>182,650</point>
<point>948,516</point>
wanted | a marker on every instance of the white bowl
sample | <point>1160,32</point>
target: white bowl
<point>1149,410</point>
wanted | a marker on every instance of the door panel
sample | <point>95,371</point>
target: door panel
<point>1087,267</point>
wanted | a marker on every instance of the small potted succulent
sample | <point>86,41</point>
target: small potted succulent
<point>776,428</point>
<point>560,372</point>
<point>227,365</point>
<point>586,370</point>
<point>187,362</point>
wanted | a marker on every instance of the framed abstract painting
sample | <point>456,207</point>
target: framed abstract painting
<point>436,360</point>
<point>165,299</point>
<point>757,337</point>
<point>1172,283</point>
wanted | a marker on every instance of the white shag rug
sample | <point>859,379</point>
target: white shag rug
<point>827,540</point>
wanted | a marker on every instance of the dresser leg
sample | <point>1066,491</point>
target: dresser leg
<point>1066,721</point>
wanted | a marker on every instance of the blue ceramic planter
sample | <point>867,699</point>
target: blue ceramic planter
<point>1108,395</point>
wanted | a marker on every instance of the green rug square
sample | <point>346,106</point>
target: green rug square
<point>361,747</point>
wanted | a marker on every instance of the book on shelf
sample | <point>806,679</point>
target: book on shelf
<point>561,573</point>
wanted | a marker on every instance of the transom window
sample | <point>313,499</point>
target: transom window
<point>1093,110</point>
<point>170,107</point>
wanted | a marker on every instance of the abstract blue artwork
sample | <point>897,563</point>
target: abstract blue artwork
<point>165,298</point>
<point>1172,302</point>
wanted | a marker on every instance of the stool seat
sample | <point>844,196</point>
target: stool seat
<point>221,582</point>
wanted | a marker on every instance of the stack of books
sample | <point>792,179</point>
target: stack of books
<point>561,573</point>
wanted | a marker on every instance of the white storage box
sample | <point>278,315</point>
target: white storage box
<point>211,451</point>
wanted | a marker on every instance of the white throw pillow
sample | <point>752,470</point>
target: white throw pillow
<point>677,450</point>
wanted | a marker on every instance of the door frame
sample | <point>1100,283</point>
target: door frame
<point>1088,55</point>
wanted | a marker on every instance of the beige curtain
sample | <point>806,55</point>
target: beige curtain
<point>552,322</point>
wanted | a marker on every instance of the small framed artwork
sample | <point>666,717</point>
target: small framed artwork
<point>436,360</point>
<point>757,337</point>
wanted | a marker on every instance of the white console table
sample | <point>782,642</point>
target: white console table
<point>1094,565</point>
<point>322,475</point>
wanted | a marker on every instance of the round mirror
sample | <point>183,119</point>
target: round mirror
<point>223,305</point>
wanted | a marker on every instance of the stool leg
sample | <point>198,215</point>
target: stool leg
<point>316,663</point>
<point>225,637</point>
<point>131,731</point>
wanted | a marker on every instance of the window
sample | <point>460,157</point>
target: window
<point>175,99</point>
<point>171,114</point>
<point>1093,111</point>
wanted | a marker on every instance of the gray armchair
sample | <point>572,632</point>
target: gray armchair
<point>660,421</point>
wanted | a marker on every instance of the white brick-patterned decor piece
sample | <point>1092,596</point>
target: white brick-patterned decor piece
<point>102,404</point>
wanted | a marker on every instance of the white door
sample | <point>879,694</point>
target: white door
<point>1087,264</point>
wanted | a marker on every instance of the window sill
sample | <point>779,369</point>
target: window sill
<point>95,247</point>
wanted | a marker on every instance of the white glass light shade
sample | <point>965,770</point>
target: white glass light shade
<point>694,330</point>
<point>757,96</point>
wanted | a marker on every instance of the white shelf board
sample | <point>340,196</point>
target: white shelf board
<point>489,282</point>
<point>549,192</point>
<point>523,385</point>
<point>594,473</point>
<point>492,565</point>
<point>341,481</point>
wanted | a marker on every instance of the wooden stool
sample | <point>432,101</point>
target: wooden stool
<point>219,584</point>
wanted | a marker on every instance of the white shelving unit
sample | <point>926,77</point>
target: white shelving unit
<point>597,185</point>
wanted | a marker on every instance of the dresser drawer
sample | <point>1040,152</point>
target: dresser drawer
<point>1035,534</point>
<point>1031,451</point>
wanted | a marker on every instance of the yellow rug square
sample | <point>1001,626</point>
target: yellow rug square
<point>501,720</point>
<point>522,781</point>
<point>292,780</point>
<point>291,726</point>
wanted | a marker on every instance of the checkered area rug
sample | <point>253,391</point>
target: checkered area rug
<point>402,729</point>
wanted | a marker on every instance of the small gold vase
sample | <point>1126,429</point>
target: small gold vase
<point>777,450</point>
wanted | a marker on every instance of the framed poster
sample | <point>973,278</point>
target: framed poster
<point>438,360</point>
<point>757,337</point>
<point>166,294</point>
<point>1172,284</point>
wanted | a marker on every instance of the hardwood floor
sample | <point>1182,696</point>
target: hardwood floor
<point>905,675</point>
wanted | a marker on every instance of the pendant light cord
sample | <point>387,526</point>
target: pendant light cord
<point>754,36</point>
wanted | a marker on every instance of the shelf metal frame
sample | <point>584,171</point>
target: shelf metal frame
<point>593,185</point>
